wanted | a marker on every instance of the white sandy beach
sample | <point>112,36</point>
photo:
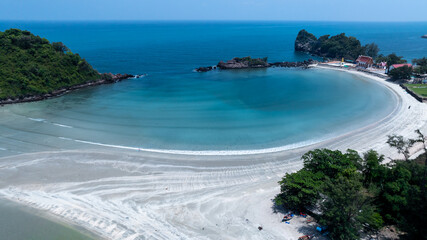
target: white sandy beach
<point>126,194</point>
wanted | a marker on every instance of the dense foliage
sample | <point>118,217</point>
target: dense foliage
<point>401,73</point>
<point>30,65</point>
<point>338,46</point>
<point>390,59</point>
<point>252,61</point>
<point>420,66</point>
<point>354,194</point>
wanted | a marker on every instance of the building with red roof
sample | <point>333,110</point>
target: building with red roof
<point>400,65</point>
<point>364,61</point>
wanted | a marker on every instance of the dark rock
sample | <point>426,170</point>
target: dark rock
<point>204,69</point>
<point>246,62</point>
<point>305,41</point>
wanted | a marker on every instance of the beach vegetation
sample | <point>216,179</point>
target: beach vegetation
<point>420,66</point>
<point>400,144</point>
<point>390,59</point>
<point>401,73</point>
<point>31,65</point>
<point>356,194</point>
<point>371,50</point>
<point>252,61</point>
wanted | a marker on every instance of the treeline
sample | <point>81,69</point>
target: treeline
<point>31,65</point>
<point>405,72</point>
<point>353,194</point>
<point>338,46</point>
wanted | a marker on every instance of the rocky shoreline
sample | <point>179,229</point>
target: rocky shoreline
<point>107,78</point>
<point>249,63</point>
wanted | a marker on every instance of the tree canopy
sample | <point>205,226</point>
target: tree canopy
<point>355,194</point>
<point>420,65</point>
<point>390,59</point>
<point>338,46</point>
<point>401,73</point>
<point>31,65</point>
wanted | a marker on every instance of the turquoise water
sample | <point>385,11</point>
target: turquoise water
<point>224,110</point>
<point>176,108</point>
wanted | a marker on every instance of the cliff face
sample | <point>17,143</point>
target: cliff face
<point>305,42</point>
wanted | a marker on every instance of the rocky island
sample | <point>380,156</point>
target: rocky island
<point>248,62</point>
<point>32,69</point>
<point>338,46</point>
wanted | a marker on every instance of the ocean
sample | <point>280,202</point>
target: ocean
<point>175,108</point>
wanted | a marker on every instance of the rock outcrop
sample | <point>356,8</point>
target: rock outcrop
<point>305,42</point>
<point>204,69</point>
<point>246,62</point>
<point>304,64</point>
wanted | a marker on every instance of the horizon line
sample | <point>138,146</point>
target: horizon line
<point>202,20</point>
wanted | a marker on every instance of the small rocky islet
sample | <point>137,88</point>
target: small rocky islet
<point>251,63</point>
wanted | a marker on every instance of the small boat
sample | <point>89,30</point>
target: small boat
<point>424,36</point>
<point>306,237</point>
<point>287,217</point>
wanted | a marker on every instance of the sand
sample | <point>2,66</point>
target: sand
<point>126,194</point>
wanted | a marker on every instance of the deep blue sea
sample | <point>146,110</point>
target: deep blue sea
<point>176,108</point>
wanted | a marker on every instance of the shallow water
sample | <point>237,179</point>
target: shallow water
<point>224,110</point>
<point>19,223</point>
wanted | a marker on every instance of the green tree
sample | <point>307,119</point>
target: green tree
<point>338,46</point>
<point>299,190</point>
<point>401,73</point>
<point>421,66</point>
<point>393,196</point>
<point>344,206</point>
<point>331,163</point>
<point>394,59</point>
<point>372,50</point>
<point>60,47</point>
<point>373,171</point>
<point>402,145</point>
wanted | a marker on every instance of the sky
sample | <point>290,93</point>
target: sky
<point>285,10</point>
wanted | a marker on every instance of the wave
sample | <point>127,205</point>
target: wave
<point>53,123</point>
<point>62,125</point>
<point>206,152</point>
<point>37,119</point>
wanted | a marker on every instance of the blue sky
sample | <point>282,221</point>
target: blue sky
<point>311,10</point>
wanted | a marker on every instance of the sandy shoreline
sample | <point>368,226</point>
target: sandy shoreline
<point>132,195</point>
